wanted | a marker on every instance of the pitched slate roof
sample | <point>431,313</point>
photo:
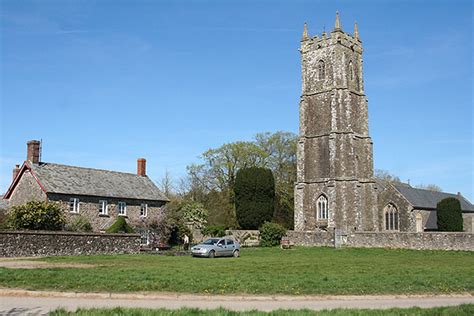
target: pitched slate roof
<point>426,199</point>
<point>62,179</point>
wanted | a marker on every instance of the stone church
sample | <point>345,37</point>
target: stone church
<point>335,186</point>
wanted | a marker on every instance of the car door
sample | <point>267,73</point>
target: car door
<point>230,247</point>
<point>221,248</point>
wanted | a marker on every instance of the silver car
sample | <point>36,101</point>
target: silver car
<point>217,247</point>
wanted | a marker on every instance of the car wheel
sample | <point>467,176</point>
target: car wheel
<point>212,254</point>
<point>236,254</point>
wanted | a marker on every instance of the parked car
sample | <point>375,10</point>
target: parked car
<point>217,247</point>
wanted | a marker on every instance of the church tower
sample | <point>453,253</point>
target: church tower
<point>335,185</point>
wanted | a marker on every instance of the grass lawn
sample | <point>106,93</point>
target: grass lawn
<point>463,310</point>
<point>259,271</point>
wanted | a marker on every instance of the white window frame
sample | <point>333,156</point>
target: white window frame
<point>322,209</point>
<point>74,205</point>
<point>122,208</point>
<point>103,207</point>
<point>144,210</point>
<point>145,234</point>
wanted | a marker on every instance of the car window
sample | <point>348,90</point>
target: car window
<point>221,242</point>
<point>211,241</point>
<point>230,242</point>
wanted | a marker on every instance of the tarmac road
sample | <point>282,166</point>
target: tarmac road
<point>21,302</point>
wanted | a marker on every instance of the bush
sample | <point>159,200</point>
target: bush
<point>36,216</point>
<point>177,234</point>
<point>270,234</point>
<point>195,212</point>
<point>449,215</point>
<point>120,226</point>
<point>79,224</point>
<point>254,197</point>
<point>214,231</point>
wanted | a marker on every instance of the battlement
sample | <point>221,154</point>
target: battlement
<point>336,36</point>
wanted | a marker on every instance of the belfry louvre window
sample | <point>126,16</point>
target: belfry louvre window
<point>322,208</point>
<point>74,205</point>
<point>391,217</point>
<point>321,70</point>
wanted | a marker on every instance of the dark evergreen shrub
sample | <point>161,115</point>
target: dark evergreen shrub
<point>36,216</point>
<point>120,226</point>
<point>214,231</point>
<point>271,233</point>
<point>254,190</point>
<point>449,215</point>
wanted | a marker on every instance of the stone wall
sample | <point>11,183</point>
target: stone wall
<point>319,238</point>
<point>246,238</point>
<point>408,240</point>
<point>42,243</point>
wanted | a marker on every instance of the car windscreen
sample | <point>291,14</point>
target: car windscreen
<point>211,241</point>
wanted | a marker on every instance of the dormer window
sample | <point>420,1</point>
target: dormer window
<point>321,70</point>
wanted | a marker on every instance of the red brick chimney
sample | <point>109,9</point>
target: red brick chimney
<point>33,154</point>
<point>141,167</point>
<point>16,170</point>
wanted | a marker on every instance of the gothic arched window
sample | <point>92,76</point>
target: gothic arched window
<point>321,70</point>
<point>391,217</point>
<point>322,211</point>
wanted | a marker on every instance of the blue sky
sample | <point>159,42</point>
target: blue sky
<point>105,82</point>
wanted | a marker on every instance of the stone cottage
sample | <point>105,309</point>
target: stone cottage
<point>335,186</point>
<point>98,195</point>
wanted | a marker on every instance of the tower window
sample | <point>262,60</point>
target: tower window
<point>351,70</point>
<point>321,70</point>
<point>322,208</point>
<point>391,217</point>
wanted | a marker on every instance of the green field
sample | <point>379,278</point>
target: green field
<point>259,271</point>
<point>463,310</point>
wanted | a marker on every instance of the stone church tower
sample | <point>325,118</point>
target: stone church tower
<point>335,185</point>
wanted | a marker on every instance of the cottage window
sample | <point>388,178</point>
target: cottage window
<point>391,217</point>
<point>122,208</point>
<point>322,208</point>
<point>144,210</point>
<point>103,207</point>
<point>144,237</point>
<point>321,70</point>
<point>74,205</point>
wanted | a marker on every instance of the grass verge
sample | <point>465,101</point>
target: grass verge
<point>462,310</point>
<point>311,271</point>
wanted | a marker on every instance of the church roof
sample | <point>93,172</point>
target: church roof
<point>426,199</point>
<point>71,180</point>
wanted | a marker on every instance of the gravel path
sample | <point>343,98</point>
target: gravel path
<point>20,302</point>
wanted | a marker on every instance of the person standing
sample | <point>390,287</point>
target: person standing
<point>186,242</point>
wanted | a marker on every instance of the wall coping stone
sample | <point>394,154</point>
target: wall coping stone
<point>61,232</point>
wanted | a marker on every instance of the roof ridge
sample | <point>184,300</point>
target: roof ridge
<point>89,168</point>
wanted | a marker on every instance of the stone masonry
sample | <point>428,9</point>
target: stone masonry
<point>334,147</point>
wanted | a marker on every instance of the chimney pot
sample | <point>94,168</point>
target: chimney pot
<point>16,170</point>
<point>33,153</point>
<point>141,167</point>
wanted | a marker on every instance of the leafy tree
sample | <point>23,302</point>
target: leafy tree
<point>196,213</point>
<point>120,226</point>
<point>254,197</point>
<point>449,215</point>
<point>214,231</point>
<point>36,216</point>
<point>271,234</point>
